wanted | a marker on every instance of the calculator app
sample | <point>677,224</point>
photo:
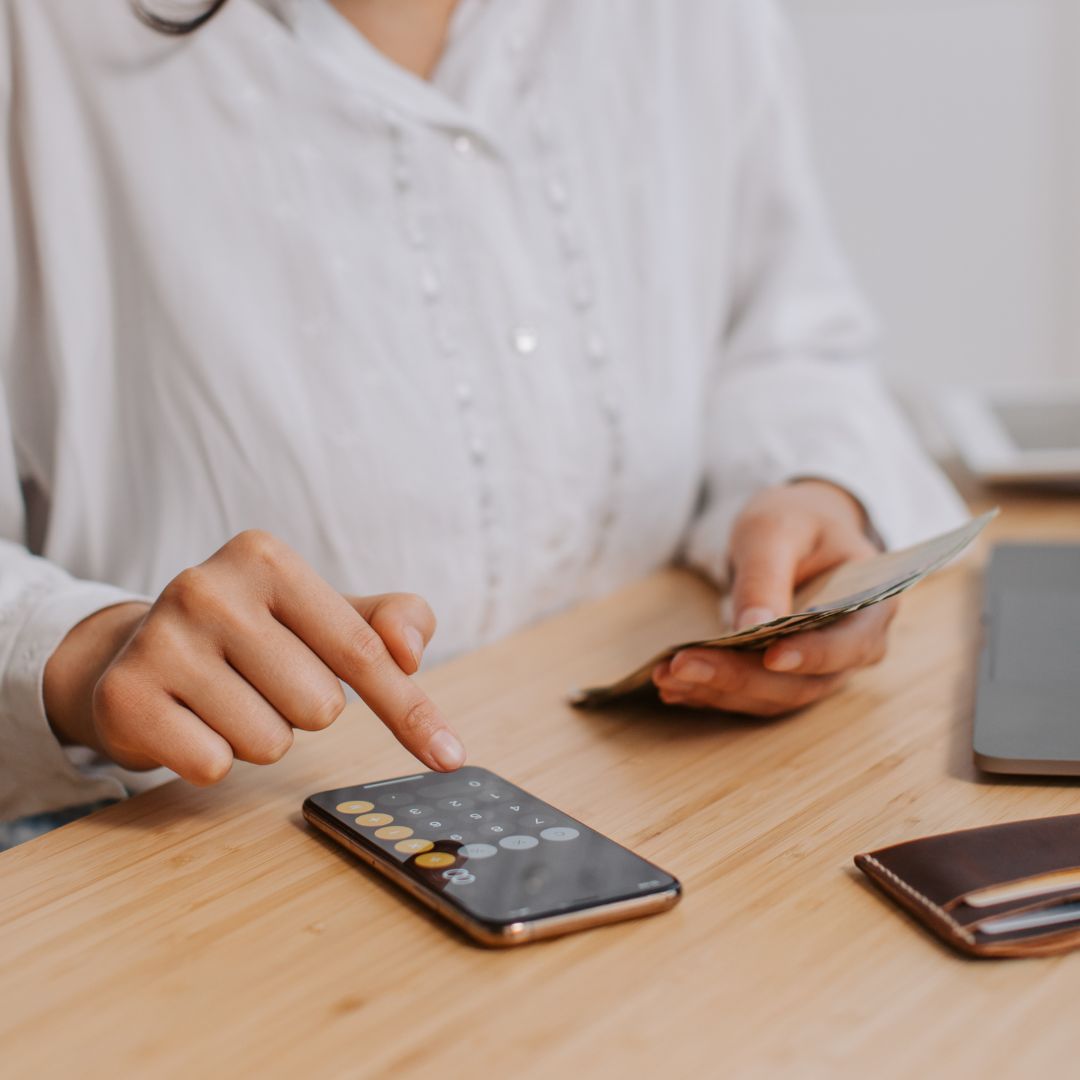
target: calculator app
<point>490,847</point>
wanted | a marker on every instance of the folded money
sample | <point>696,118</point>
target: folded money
<point>830,596</point>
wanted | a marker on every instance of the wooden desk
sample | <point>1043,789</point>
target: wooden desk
<point>209,933</point>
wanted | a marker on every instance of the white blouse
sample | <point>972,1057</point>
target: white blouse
<point>508,339</point>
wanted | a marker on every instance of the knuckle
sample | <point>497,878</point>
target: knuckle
<point>159,635</point>
<point>189,590</point>
<point>274,746</point>
<point>114,694</point>
<point>420,720</point>
<point>325,710</point>
<point>365,649</point>
<point>257,546</point>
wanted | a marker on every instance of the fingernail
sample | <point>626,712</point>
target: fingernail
<point>694,671</point>
<point>415,640</point>
<point>786,661</point>
<point>754,616</point>
<point>446,749</point>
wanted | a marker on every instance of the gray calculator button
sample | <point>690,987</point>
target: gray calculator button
<point>412,813</point>
<point>396,798</point>
<point>560,833</point>
<point>539,819</point>
<point>518,843</point>
<point>478,851</point>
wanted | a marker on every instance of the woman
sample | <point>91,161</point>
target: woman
<point>505,304</point>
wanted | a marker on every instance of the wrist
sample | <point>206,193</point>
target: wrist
<point>73,670</point>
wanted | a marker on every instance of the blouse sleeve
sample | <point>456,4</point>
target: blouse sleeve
<point>39,601</point>
<point>796,393</point>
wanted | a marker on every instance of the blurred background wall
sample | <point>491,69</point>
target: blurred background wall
<point>948,138</point>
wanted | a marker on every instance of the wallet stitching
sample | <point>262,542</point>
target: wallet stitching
<point>961,931</point>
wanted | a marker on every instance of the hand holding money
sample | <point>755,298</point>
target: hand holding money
<point>800,549</point>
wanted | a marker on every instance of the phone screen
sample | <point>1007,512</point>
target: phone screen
<point>488,847</point>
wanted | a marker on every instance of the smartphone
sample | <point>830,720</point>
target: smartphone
<point>501,864</point>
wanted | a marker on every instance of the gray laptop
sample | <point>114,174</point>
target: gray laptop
<point>1027,706</point>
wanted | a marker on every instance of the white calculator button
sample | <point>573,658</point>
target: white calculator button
<point>560,833</point>
<point>477,851</point>
<point>518,843</point>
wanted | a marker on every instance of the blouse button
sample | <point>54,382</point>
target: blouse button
<point>430,284</point>
<point>464,146</point>
<point>557,194</point>
<point>525,340</point>
<point>596,349</point>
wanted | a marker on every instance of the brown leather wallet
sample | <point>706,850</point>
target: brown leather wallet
<point>1002,890</point>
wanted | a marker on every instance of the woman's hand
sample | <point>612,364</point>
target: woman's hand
<point>784,537</point>
<point>232,656</point>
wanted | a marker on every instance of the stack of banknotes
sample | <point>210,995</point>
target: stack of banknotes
<point>843,591</point>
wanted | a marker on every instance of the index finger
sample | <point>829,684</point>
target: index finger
<point>331,627</point>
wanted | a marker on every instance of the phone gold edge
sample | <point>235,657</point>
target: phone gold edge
<point>517,933</point>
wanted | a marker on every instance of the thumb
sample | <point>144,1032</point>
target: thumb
<point>764,559</point>
<point>404,621</point>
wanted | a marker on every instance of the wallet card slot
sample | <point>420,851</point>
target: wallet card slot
<point>1009,910</point>
<point>1048,918</point>
<point>1028,887</point>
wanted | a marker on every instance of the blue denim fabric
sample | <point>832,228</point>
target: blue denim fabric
<point>13,833</point>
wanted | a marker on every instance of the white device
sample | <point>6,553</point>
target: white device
<point>1031,436</point>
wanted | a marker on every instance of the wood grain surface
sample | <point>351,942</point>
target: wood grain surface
<point>211,933</point>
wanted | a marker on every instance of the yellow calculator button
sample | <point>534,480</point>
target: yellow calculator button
<point>374,821</point>
<point>356,807</point>
<point>413,846</point>
<point>393,832</point>
<point>435,860</point>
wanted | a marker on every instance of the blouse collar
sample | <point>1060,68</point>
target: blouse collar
<point>485,60</point>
